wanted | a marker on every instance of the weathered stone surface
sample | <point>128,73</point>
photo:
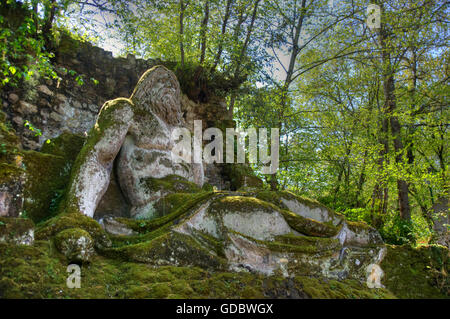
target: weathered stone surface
<point>18,231</point>
<point>114,227</point>
<point>56,117</point>
<point>358,234</point>
<point>26,108</point>
<point>374,276</point>
<point>257,237</point>
<point>11,190</point>
<point>44,89</point>
<point>113,202</point>
<point>13,98</point>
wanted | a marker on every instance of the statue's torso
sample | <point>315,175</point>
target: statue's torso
<point>146,153</point>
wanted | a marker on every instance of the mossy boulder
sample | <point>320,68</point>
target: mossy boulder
<point>55,225</point>
<point>359,234</point>
<point>171,183</point>
<point>417,272</point>
<point>76,244</point>
<point>18,231</point>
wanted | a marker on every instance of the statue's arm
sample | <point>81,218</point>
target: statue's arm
<point>91,170</point>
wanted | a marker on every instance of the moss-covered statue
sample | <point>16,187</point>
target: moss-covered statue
<point>136,133</point>
<point>251,229</point>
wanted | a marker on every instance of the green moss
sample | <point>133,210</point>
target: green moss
<point>241,204</point>
<point>310,243</point>
<point>417,272</point>
<point>209,241</point>
<point>47,177</point>
<point>67,145</point>
<point>357,226</point>
<point>11,228</point>
<point>38,272</point>
<point>275,197</point>
<point>170,248</point>
<point>7,134</point>
<point>9,144</point>
<point>61,222</point>
<point>309,226</point>
<point>171,183</point>
<point>332,289</point>
<point>10,173</point>
<point>207,187</point>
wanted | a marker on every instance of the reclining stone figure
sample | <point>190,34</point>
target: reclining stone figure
<point>251,230</point>
<point>135,133</point>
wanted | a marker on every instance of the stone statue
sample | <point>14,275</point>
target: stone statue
<point>136,133</point>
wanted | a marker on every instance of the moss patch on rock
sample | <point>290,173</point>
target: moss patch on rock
<point>19,231</point>
<point>47,176</point>
<point>171,183</point>
<point>38,272</point>
<point>417,272</point>
<point>169,249</point>
<point>61,222</point>
<point>309,226</point>
<point>67,145</point>
<point>76,244</point>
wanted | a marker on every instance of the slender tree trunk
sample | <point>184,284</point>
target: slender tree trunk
<point>47,27</point>
<point>390,106</point>
<point>182,8</point>
<point>224,29</point>
<point>361,181</point>
<point>203,32</point>
<point>395,128</point>
<point>238,69</point>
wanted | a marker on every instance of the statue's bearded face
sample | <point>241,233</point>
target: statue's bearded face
<point>158,91</point>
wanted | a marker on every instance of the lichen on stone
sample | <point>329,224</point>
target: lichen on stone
<point>76,244</point>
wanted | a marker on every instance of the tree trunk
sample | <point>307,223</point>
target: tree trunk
<point>224,29</point>
<point>182,8</point>
<point>203,32</point>
<point>49,17</point>
<point>389,108</point>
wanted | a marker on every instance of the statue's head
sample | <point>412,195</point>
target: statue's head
<point>158,91</point>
